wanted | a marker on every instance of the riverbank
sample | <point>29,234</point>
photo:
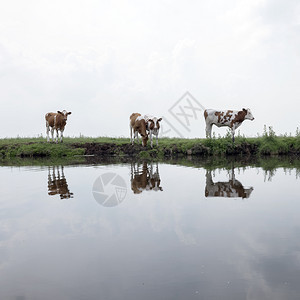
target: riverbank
<point>168,147</point>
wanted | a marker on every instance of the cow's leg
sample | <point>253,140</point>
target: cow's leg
<point>131,140</point>
<point>56,139</point>
<point>232,133</point>
<point>135,136</point>
<point>208,130</point>
<point>61,136</point>
<point>232,176</point>
<point>55,127</point>
<point>209,186</point>
<point>140,137</point>
<point>52,134</point>
<point>49,178</point>
<point>151,138</point>
<point>132,170</point>
<point>157,139</point>
<point>47,130</point>
<point>58,174</point>
<point>209,180</point>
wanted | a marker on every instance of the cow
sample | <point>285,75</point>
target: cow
<point>138,126</point>
<point>57,183</point>
<point>230,189</point>
<point>57,121</point>
<point>152,125</point>
<point>230,118</point>
<point>154,179</point>
<point>144,179</point>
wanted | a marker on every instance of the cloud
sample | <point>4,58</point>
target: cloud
<point>112,58</point>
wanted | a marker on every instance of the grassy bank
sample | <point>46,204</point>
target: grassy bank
<point>269,164</point>
<point>267,144</point>
<point>31,147</point>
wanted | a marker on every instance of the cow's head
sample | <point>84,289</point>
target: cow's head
<point>141,129</point>
<point>247,192</point>
<point>153,124</point>
<point>145,140</point>
<point>248,115</point>
<point>64,114</point>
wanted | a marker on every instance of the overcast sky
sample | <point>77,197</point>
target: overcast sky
<point>103,60</point>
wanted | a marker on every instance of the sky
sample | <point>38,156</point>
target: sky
<point>103,60</point>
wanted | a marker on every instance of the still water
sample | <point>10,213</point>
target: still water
<point>149,231</point>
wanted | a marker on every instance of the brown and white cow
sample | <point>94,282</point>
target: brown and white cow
<point>153,126</point>
<point>229,189</point>
<point>138,126</point>
<point>57,121</point>
<point>230,118</point>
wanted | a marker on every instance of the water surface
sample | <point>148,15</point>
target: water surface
<point>149,231</point>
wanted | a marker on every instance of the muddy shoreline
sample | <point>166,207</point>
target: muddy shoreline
<point>110,149</point>
<point>165,149</point>
<point>199,150</point>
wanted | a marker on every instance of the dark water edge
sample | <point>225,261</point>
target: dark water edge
<point>267,163</point>
<point>167,148</point>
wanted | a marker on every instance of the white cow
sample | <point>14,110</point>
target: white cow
<point>230,118</point>
<point>153,126</point>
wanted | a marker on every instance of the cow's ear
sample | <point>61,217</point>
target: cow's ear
<point>59,112</point>
<point>159,119</point>
<point>69,113</point>
<point>244,109</point>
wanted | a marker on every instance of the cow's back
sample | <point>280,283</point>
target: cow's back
<point>210,116</point>
<point>133,118</point>
<point>50,118</point>
<point>220,117</point>
<point>136,120</point>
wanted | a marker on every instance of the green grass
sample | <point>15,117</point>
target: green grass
<point>66,140</point>
<point>82,140</point>
<point>35,147</point>
<point>265,145</point>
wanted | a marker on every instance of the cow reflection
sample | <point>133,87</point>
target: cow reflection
<point>57,183</point>
<point>144,178</point>
<point>230,189</point>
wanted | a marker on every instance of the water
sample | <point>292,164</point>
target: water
<point>149,231</point>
